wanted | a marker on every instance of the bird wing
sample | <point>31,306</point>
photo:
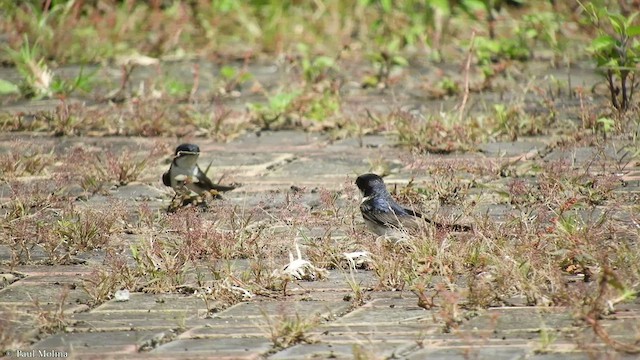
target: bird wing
<point>166,179</point>
<point>385,213</point>
<point>388,213</point>
<point>206,183</point>
<point>414,214</point>
<point>400,210</point>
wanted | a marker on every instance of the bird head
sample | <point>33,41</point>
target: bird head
<point>187,149</point>
<point>370,184</point>
<point>187,154</point>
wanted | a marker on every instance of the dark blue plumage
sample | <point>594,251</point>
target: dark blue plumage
<point>383,215</point>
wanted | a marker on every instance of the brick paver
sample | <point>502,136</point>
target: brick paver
<point>389,325</point>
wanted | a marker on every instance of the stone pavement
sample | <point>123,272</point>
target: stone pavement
<point>388,325</point>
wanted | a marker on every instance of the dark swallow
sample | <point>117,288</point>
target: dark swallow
<point>384,216</point>
<point>185,172</point>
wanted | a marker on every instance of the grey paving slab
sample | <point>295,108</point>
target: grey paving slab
<point>244,167</point>
<point>72,271</point>
<point>364,142</point>
<point>461,339</point>
<point>512,149</point>
<point>149,303</point>
<point>376,332</point>
<point>60,278</point>
<point>322,168</point>
<point>385,314</point>
<point>227,327</point>
<point>337,281</point>
<point>36,254</point>
<point>480,352</point>
<point>521,319</point>
<point>47,295</point>
<point>138,192</point>
<point>253,328</point>
<point>105,342</point>
<point>273,140</point>
<point>321,309</point>
<point>336,295</point>
<point>600,354</point>
<point>391,299</point>
<point>231,347</point>
<point>626,330</point>
<point>574,155</point>
<point>24,325</point>
<point>162,356</point>
<point>238,158</point>
<point>130,320</point>
<point>364,349</point>
<point>316,351</point>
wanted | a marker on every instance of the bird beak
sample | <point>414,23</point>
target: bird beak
<point>185,153</point>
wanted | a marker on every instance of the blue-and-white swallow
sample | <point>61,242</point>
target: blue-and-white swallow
<point>185,172</point>
<point>384,216</point>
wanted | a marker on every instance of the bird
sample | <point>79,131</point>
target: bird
<point>384,216</point>
<point>185,173</point>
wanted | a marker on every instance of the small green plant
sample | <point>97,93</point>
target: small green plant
<point>115,272</point>
<point>446,186</point>
<point>176,87</point>
<point>322,107</point>
<point>606,124</point>
<point>449,86</point>
<point>64,121</point>
<point>25,161</point>
<point>51,321</point>
<point>384,62</point>
<point>358,296</point>
<point>285,330</point>
<point>162,264</point>
<point>65,235</point>
<point>36,76</point>
<point>542,27</point>
<point>233,78</point>
<point>96,172</point>
<point>599,305</point>
<point>392,274</point>
<point>314,69</point>
<point>511,122</point>
<point>276,108</point>
<point>488,50</point>
<point>547,338</point>
<point>8,88</point>
<point>123,168</point>
<point>83,82</point>
<point>616,51</point>
<point>12,334</point>
<point>435,134</point>
<point>507,120</point>
<point>215,123</point>
<point>84,230</point>
<point>37,79</point>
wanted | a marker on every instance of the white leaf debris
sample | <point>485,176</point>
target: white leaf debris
<point>122,295</point>
<point>246,294</point>
<point>358,259</point>
<point>136,59</point>
<point>301,269</point>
